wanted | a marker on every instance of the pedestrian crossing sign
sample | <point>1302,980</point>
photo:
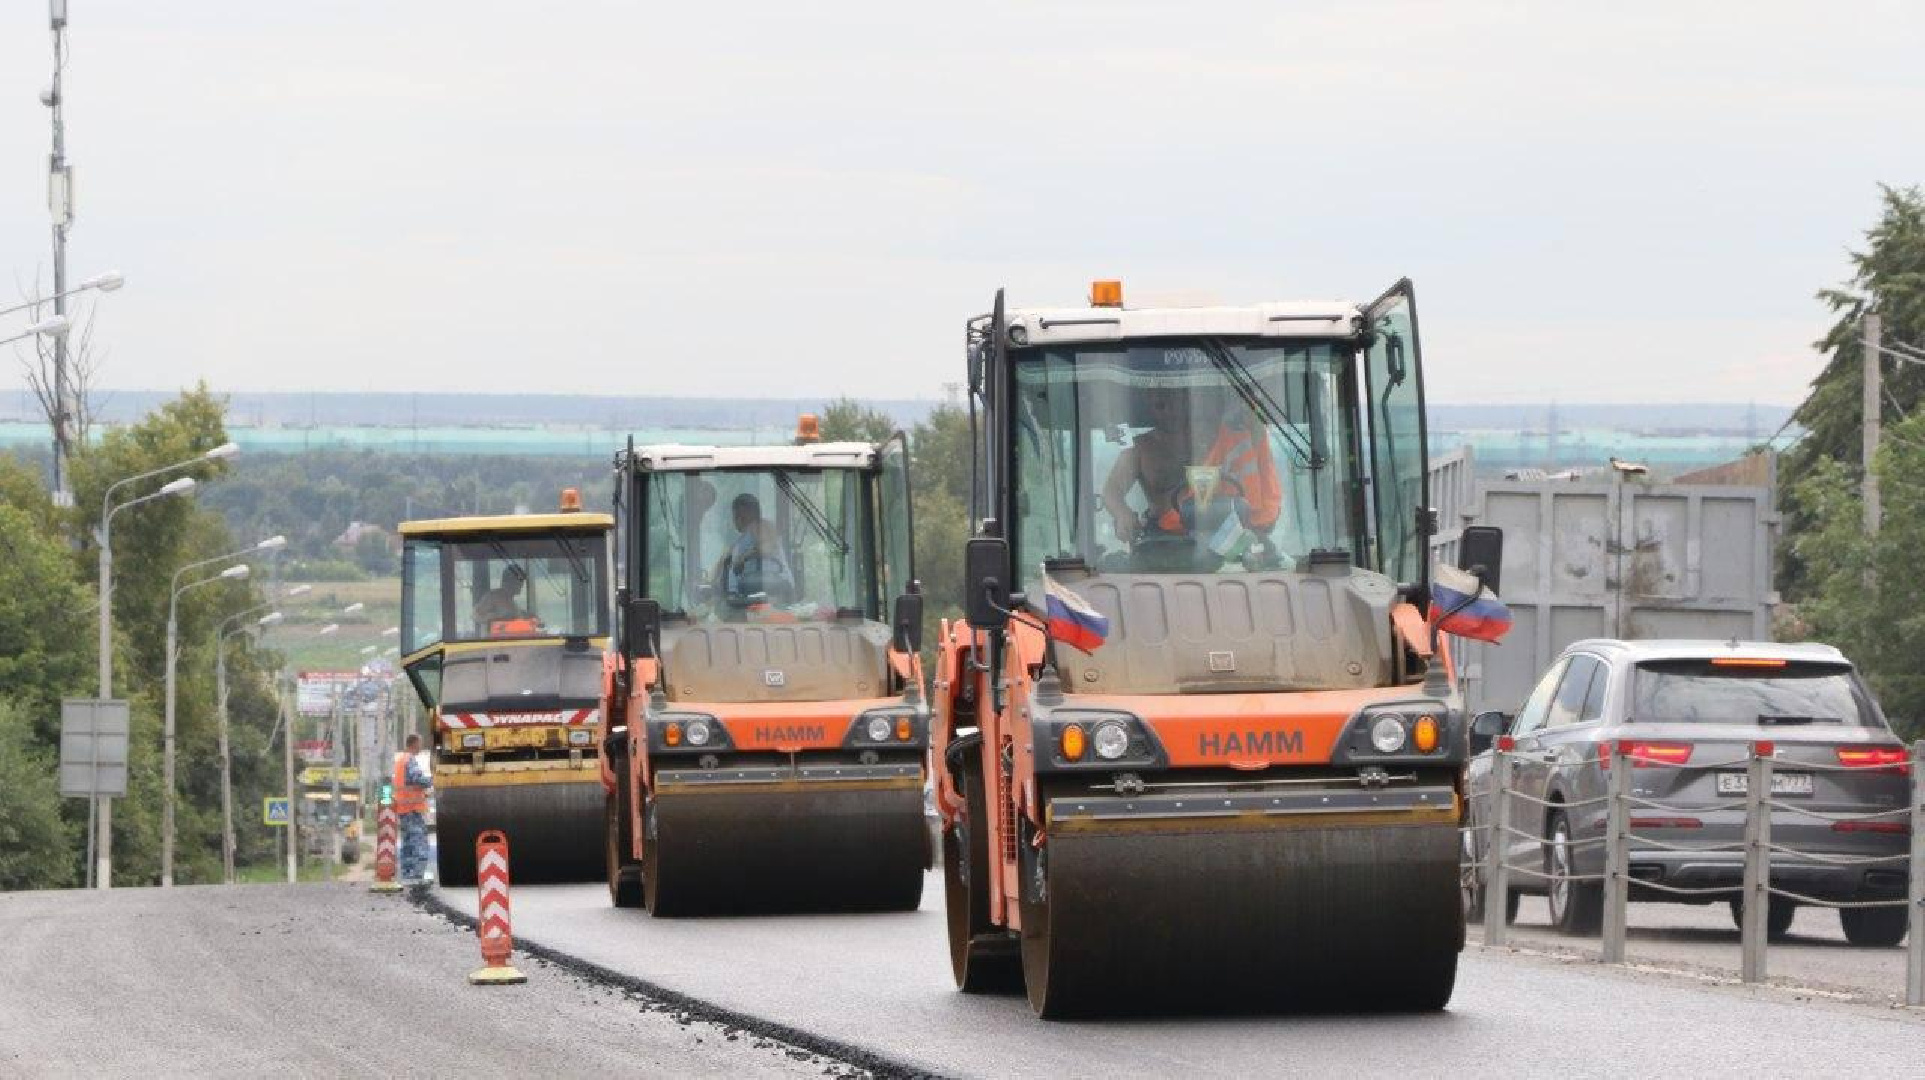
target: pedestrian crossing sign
<point>274,810</point>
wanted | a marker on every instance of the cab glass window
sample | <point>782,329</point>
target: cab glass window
<point>536,586</point>
<point>421,595</point>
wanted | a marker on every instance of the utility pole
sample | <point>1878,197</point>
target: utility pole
<point>60,205</point>
<point>1873,417</point>
<point>287,777</point>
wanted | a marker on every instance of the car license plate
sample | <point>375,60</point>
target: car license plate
<point>503,738</point>
<point>1782,783</point>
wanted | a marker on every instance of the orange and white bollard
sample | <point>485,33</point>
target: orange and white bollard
<point>497,943</point>
<point>387,826</point>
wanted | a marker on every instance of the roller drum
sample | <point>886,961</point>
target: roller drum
<point>554,830</point>
<point>801,848</point>
<point>1139,918</point>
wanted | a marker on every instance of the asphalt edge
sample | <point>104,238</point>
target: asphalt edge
<point>878,1065</point>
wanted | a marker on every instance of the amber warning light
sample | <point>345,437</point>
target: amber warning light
<point>807,429</point>
<point>1106,294</point>
<point>571,501</point>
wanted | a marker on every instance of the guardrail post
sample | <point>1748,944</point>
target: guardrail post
<point>1915,943</point>
<point>1497,876</point>
<point>1755,928</point>
<point>1617,858</point>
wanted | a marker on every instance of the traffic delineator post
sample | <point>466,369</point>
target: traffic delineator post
<point>384,852</point>
<point>491,924</point>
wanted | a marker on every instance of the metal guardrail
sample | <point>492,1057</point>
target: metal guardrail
<point>1755,892</point>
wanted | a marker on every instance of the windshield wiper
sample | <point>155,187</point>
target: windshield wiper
<point>574,559</point>
<point>811,513</point>
<point>1258,398</point>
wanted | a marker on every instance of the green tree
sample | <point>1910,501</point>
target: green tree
<point>848,420</point>
<point>1849,588</point>
<point>1891,270</point>
<point>37,849</point>
<point>46,651</point>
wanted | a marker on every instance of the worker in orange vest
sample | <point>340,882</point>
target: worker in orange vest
<point>1240,450</point>
<point>412,782</point>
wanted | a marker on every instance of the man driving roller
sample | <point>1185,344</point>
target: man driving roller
<point>1164,462</point>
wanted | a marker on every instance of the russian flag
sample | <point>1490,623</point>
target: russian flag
<point>1070,618</point>
<point>1464,607</point>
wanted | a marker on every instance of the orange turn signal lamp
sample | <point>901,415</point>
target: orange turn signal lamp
<point>1106,294</point>
<point>1424,734</point>
<point>672,734</point>
<point>1073,742</point>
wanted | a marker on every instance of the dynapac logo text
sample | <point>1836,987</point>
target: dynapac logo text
<point>788,733</point>
<point>1247,743</point>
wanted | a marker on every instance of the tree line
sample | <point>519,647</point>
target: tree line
<point>48,612</point>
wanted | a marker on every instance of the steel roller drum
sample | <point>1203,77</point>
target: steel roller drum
<point>554,830</point>
<point>794,848</point>
<point>1228,916</point>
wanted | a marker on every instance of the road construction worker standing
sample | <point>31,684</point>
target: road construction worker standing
<point>411,785</point>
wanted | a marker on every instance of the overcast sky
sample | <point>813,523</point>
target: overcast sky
<point>1598,202</point>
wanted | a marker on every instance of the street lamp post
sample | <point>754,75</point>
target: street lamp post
<point>221,634</point>
<point>52,326</point>
<point>168,794</point>
<point>102,821</point>
<point>107,282</point>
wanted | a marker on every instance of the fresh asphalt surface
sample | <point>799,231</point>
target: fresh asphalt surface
<point>881,982</point>
<point>317,980</point>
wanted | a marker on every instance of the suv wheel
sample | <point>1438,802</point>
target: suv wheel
<point>1577,907</point>
<point>1777,916</point>
<point>1873,925</point>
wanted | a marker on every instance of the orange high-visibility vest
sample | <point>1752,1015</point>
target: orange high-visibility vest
<point>408,799</point>
<point>1245,457</point>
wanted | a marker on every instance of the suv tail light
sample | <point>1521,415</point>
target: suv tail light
<point>1886,758</point>
<point>1646,755</point>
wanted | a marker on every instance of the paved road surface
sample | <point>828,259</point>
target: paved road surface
<point>882,982</point>
<point>1815,954</point>
<point>315,980</point>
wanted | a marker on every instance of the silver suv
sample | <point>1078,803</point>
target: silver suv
<point>1702,703</point>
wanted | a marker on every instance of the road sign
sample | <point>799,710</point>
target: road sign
<point>348,775</point>
<point>314,751</point>
<point>93,747</point>
<point>274,810</point>
<point>315,691</point>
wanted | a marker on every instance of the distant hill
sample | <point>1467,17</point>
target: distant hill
<point>441,410</point>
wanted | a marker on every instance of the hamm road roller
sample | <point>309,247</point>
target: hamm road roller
<point>768,747</point>
<point>504,621</point>
<point>1198,748</point>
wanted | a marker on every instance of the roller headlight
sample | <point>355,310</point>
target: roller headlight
<point>473,740</point>
<point>698,732</point>
<point>1387,735</point>
<point>1111,740</point>
<point>580,737</point>
<point>878,728</point>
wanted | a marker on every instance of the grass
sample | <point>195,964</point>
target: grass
<point>299,637</point>
<point>275,873</point>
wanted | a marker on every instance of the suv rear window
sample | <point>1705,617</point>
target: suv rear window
<point>1795,692</point>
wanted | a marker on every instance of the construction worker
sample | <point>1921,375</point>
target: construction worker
<point>1157,462</point>
<point>412,782</point>
<point>503,602</point>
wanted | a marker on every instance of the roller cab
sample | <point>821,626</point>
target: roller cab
<point>1197,748</point>
<point>505,623</point>
<point>773,750</point>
